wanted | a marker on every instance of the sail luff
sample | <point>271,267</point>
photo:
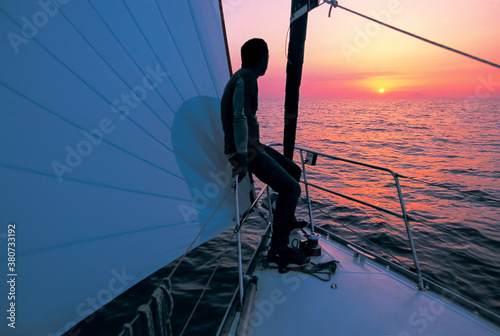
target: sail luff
<point>100,203</point>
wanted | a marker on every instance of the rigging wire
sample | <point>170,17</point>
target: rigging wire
<point>199,234</point>
<point>435,279</point>
<point>228,244</point>
<point>222,254</point>
<point>215,259</point>
<point>168,279</point>
<point>416,36</point>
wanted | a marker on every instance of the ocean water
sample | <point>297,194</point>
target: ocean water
<point>449,153</point>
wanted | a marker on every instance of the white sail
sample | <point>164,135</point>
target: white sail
<point>111,157</point>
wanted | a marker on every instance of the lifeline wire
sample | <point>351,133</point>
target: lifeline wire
<point>220,256</point>
<point>422,38</point>
<point>412,219</point>
<point>468,193</point>
<point>360,236</point>
<point>452,233</point>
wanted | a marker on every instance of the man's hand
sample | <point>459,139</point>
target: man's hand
<point>239,161</point>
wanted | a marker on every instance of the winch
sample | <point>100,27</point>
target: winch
<point>311,246</point>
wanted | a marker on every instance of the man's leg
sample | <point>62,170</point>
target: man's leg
<point>273,172</point>
<point>292,169</point>
<point>287,164</point>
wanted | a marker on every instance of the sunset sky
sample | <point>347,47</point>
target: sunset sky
<point>349,57</point>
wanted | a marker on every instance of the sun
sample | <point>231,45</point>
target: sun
<point>381,90</point>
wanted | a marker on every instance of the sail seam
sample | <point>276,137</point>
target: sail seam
<point>87,130</point>
<point>154,137</point>
<point>163,67</point>
<point>210,141</point>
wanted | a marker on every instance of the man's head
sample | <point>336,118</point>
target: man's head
<point>255,56</point>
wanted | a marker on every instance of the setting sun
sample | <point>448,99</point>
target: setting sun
<point>381,90</point>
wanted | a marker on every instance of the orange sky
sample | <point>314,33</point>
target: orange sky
<point>349,57</point>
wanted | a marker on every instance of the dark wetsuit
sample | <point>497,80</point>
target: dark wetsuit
<point>238,112</point>
<point>241,135</point>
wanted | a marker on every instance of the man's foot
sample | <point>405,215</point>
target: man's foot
<point>299,224</point>
<point>285,256</point>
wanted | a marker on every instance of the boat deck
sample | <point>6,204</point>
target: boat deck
<point>362,298</point>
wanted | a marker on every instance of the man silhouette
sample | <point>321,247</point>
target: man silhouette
<point>245,152</point>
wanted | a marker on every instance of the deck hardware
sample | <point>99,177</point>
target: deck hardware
<point>304,174</point>
<point>403,215</point>
<point>246,310</point>
<point>358,254</point>
<point>311,247</point>
<point>237,230</point>
<point>311,159</point>
<point>334,286</point>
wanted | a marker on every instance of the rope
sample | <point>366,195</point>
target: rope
<point>286,44</point>
<point>317,270</point>
<point>419,37</point>
<point>327,268</point>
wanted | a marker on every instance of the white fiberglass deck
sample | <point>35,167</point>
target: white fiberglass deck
<point>368,300</point>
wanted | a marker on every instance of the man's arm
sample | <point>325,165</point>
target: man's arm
<point>240,129</point>
<point>240,125</point>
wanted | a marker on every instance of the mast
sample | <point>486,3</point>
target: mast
<point>298,28</point>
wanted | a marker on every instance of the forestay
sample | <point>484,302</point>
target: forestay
<point>111,157</point>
